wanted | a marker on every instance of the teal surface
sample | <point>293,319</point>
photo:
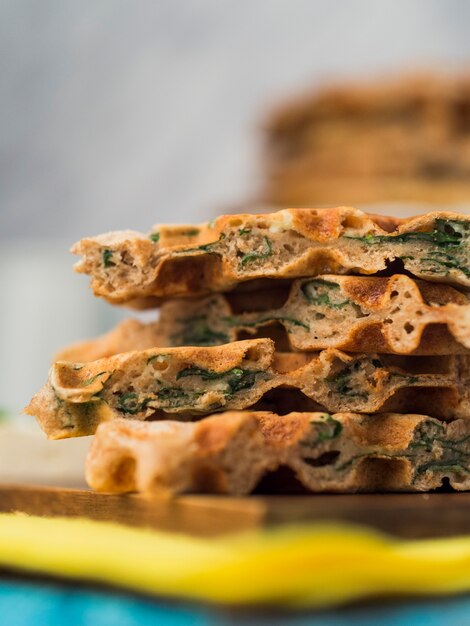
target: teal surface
<point>34,604</point>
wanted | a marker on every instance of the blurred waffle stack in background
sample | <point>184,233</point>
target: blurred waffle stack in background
<point>402,139</point>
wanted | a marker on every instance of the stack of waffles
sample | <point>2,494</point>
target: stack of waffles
<point>399,140</point>
<point>321,349</point>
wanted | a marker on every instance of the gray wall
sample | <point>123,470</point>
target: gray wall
<point>120,113</point>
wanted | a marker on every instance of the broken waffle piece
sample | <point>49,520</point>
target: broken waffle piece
<point>357,314</point>
<point>233,452</point>
<point>188,382</point>
<point>171,261</point>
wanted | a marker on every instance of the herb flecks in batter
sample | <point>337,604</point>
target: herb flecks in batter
<point>165,398</point>
<point>129,403</point>
<point>254,256</point>
<point>108,258</point>
<point>323,292</point>
<point>173,397</point>
<point>426,435</point>
<point>405,378</point>
<point>451,465</point>
<point>196,331</point>
<point>211,248</point>
<point>327,429</point>
<point>184,396</point>
<point>261,321</point>
<point>446,246</point>
<point>446,233</point>
<point>236,378</point>
<point>90,381</point>
<point>343,383</point>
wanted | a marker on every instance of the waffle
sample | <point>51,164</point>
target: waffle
<point>189,382</point>
<point>357,314</point>
<point>234,452</point>
<point>235,250</point>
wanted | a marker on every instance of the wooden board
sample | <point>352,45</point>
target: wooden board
<point>403,515</point>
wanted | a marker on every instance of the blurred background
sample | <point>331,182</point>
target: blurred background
<point>118,114</point>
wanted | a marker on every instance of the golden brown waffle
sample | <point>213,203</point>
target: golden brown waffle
<point>188,382</point>
<point>232,453</point>
<point>171,261</point>
<point>357,314</point>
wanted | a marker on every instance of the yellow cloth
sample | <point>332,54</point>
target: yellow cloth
<point>301,566</point>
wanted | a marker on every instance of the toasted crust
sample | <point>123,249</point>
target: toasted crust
<point>356,314</point>
<point>232,452</point>
<point>182,261</point>
<point>185,382</point>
